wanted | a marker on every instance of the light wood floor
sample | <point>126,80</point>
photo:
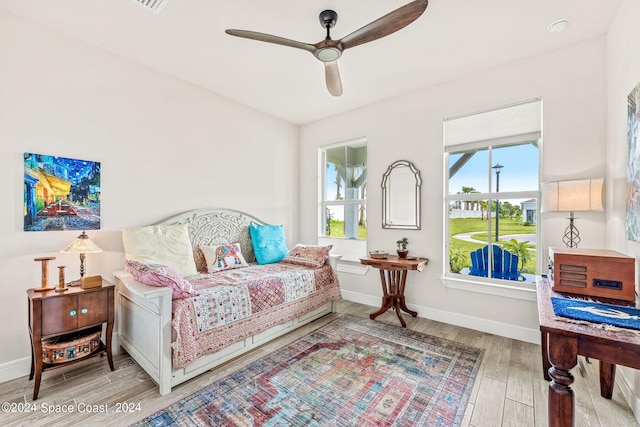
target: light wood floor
<point>509,390</point>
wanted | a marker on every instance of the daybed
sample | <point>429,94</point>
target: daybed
<point>168,336</point>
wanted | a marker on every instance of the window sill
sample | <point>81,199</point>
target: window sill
<point>525,291</point>
<point>352,268</point>
<point>351,250</point>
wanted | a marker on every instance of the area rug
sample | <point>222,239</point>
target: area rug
<point>350,372</point>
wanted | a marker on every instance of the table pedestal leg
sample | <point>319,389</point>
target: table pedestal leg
<point>109,345</point>
<point>607,370</point>
<point>563,356</point>
<point>393,284</point>
<point>607,379</point>
<point>36,366</point>
<point>545,355</point>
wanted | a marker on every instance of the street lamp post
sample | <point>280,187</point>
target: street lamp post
<point>497,167</point>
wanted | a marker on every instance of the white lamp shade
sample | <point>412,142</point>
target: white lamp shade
<point>82,245</point>
<point>573,196</point>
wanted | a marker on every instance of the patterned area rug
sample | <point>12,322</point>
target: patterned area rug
<point>350,372</point>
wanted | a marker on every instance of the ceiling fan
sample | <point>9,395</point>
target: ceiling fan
<point>328,51</point>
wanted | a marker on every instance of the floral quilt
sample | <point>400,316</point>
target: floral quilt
<point>235,304</point>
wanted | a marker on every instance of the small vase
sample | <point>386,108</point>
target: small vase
<point>402,254</point>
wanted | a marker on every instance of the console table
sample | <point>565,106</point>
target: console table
<point>393,275</point>
<point>563,341</point>
<point>54,314</point>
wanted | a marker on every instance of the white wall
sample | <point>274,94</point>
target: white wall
<point>571,82</point>
<point>623,74</point>
<point>165,147</point>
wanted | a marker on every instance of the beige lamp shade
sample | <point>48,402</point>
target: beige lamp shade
<point>82,245</point>
<point>573,196</point>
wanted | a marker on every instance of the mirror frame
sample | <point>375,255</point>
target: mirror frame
<point>386,193</point>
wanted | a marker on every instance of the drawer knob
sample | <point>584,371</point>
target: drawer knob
<point>72,313</point>
<point>84,311</point>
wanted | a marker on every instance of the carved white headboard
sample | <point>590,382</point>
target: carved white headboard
<point>214,227</point>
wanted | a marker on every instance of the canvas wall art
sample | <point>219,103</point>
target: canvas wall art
<point>633,166</point>
<point>60,193</point>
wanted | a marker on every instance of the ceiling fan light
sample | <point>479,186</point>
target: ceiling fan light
<point>328,54</point>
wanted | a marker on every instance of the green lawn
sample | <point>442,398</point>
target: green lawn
<point>466,225</point>
<point>337,230</point>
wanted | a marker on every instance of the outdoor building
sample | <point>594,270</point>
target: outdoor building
<point>529,211</point>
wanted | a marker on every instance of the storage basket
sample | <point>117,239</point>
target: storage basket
<point>64,348</point>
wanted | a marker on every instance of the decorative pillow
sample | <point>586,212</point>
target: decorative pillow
<point>223,257</point>
<point>161,244</point>
<point>308,256</point>
<point>268,243</point>
<point>153,274</point>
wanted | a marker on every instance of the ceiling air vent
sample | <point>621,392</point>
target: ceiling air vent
<point>152,5</point>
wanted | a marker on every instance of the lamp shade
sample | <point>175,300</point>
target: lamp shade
<point>82,245</point>
<point>573,196</point>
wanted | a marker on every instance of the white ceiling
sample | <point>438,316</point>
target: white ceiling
<point>186,39</point>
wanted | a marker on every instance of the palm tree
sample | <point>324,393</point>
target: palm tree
<point>483,208</point>
<point>362,218</point>
<point>338,182</point>
<point>521,249</point>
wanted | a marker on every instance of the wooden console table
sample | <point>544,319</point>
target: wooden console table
<point>562,342</point>
<point>393,275</point>
<point>54,314</point>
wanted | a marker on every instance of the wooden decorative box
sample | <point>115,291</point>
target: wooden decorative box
<point>64,348</point>
<point>593,272</point>
<point>89,282</point>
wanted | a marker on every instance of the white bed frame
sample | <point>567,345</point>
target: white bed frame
<point>143,313</point>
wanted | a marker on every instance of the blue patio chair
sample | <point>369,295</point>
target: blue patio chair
<point>505,264</point>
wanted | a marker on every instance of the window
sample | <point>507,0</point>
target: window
<point>492,176</point>
<point>343,198</point>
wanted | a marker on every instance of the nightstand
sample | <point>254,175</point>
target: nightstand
<point>66,318</point>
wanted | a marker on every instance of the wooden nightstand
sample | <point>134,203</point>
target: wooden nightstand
<point>56,314</point>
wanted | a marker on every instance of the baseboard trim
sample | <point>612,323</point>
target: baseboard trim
<point>484,325</point>
<point>15,369</point>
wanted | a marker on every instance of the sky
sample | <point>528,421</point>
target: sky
<point>519,171</point>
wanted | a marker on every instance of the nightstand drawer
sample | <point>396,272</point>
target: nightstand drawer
<point>66,313</point>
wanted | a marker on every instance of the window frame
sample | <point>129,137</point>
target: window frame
<point>350,249</point>
<point>489,285</point>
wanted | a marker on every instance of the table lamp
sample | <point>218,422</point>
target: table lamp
<point>571,196</point>
<point>82,245</point>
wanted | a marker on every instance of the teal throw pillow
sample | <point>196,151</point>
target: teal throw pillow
<point>268,243</point>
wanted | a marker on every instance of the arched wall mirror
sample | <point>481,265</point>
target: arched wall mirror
<point>401,196</point>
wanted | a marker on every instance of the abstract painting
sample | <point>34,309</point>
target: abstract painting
<point>633,166</point>
<point>60,193</point>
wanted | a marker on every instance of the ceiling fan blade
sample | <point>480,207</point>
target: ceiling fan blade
<point>332,77</point>
<point>271,39</point>
<point>388,24</point>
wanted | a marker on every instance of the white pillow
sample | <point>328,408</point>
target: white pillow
<point>223,257</point>
<point>161,244</point>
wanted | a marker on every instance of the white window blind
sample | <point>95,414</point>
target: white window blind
<point>518,120</point>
